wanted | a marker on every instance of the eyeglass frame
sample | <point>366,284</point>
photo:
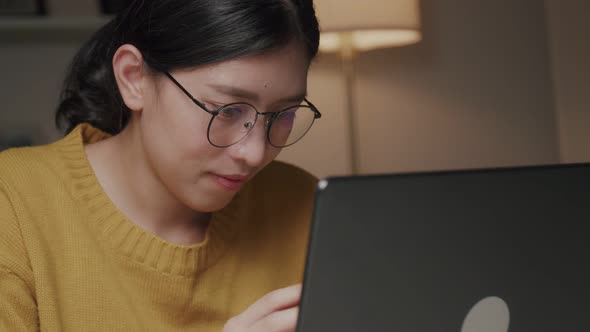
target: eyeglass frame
<point>269,122</point>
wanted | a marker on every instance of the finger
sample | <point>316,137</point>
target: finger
<point>278,321</point>
<point>274,301</point>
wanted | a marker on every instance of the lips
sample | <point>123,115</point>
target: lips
<point>242,178</point>
<point>230,182</point>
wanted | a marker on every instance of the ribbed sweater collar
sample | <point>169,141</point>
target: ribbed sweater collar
<point>125,237</point>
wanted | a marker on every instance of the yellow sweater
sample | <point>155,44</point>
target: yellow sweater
<point>70,261</point>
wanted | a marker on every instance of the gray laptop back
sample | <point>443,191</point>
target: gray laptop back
<point>417,252</point>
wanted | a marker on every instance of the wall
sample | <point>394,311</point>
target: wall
<point>34,56</point>
<point>29,87</point>
<point>569,35</point>
<point>476,92</point>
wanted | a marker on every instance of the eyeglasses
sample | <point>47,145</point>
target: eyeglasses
<point>232,122</point>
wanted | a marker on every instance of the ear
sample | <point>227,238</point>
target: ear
<point>130,75</point>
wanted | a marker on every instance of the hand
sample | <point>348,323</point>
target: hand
<point>277,311</point>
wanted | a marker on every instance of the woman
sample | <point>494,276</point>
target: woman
<point>161,210</point>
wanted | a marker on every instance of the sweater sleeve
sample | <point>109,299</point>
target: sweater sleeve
<point>18,309</point>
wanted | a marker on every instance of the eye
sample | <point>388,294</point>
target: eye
<point>286,118</point>
<point>230,112</point>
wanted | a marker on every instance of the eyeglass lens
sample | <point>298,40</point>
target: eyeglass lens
<point>234,122</point>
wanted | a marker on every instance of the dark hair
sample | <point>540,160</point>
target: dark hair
<point>176,34</point>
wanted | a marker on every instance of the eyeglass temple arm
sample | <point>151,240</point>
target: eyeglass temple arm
<point>315,109</point>
<point>198,103</point>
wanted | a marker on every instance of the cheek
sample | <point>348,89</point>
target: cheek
<point>180,124</point>
<point>175,140</point>
<point>183,122</point>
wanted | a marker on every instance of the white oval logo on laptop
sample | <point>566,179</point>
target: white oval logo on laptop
<point>488,315</point>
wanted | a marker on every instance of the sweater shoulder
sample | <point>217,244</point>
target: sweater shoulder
<point>28,165</point>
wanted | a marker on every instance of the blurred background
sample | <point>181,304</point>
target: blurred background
<point>487,84</point>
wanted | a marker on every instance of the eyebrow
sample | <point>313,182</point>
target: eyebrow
<point>249,95</point>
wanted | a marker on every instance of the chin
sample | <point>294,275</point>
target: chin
<point>209,203</point>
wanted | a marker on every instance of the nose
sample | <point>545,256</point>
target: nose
<point>251,150</point>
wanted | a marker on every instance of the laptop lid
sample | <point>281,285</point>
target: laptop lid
<point>473,251</point>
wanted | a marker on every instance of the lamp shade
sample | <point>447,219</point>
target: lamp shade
<point>367,24</point>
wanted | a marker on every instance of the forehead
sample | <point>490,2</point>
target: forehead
<point>274,74</point>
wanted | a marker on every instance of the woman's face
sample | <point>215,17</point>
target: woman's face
<point>174,129</point>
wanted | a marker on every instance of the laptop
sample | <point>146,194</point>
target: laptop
<point>471,251</point>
